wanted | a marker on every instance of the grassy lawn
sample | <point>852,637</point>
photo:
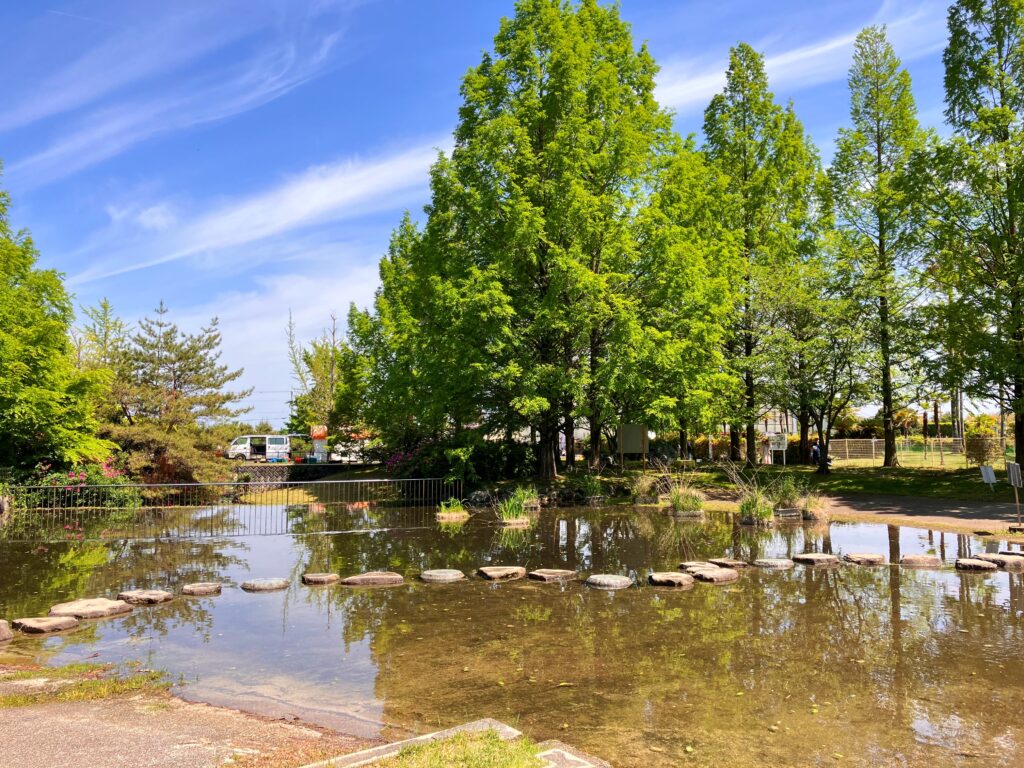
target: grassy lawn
<point>78,682</point>
<point>467,750</point>
<point>958,484</point>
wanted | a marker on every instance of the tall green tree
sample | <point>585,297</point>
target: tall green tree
<point>880,215</point>
<point>46,403</point>
<point>759,148</point>
<point>512,295</point>
<point>977,184</point>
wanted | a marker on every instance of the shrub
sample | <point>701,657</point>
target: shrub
<point>451,506</point>
<point>813,507</point>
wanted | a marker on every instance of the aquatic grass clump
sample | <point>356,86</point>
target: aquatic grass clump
<point>787,492</point>
<point>512,510</point>
<point>756,508</point>
<point>686,500</point>
<point>644,488</point>
<point>814,507</point>
<point>587,485</point>
<point>451,511</point>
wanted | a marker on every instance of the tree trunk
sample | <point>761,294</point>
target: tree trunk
<point>890,458</point>
<point>593,405</point>
<point>734,443</point>
<point>684,440</point>
<point>569,430</point>
<point>804,417</point>
<point>547,453</point>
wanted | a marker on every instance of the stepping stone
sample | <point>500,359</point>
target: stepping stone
<point>374,579</point>
<point>265,585</point>
<point>815,558</point>
<point>697,564</point>
<point>1012,552</point>
<point>670,579</point>
<point>717,575</point>
<point>973,564</point>
<point>864,558</point>
<point>608,581</point>
<point>501,572</point>
<point>145,596</point>
<point>1016,529</point>
<point>552,574</point>
<point>5,631</point>
<point>202,588</point>
<point>774,563</point>
<point>1013,562</point>
<point>320,578</point>
<point>442,575</point>
<point>43,626</point>
<point>921,561</point>
<point>727,562</point>
<point>91,608</point>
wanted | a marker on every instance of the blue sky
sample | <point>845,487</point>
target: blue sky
<point>244,159</point>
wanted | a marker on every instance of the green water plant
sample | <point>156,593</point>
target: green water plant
<point>452,510</point>
<point>513,509</point>
<point>644,488</point>
<point>756,508</point>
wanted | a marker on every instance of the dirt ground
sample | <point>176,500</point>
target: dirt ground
<point>977,517</point>
<point>154,730</point>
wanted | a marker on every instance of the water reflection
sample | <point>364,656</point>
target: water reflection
<point>879,664</point>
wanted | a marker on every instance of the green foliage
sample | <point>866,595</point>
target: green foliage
<point>586,484</point>
<point>756,507</point>
<point>451,506</point>
<point>466,750</point>
<point>46,404</point>
<point>684,498</point>
<point>517,504</point>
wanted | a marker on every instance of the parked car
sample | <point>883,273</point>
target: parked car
<point>259,448</point>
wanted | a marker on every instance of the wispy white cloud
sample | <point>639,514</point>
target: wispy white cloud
<point>294,54</point>
<point>327,193</point>
<point>915,29</point>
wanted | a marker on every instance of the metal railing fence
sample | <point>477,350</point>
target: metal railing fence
<point>79,511</point>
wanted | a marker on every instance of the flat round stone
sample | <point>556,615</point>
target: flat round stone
<point>501,572</point>
<point>864,558</point>
<point>552,574</point>
<point>442,575</point>
<point>145,596</point>
<point>921,561</point>
<point>265,585</point>
<point>91,608</point>
<point>320,578</point>
<point>727,562</point>
<point>717,575</point>
<point>774,563</point>
<point>974,564</point>
<point>202,588</point>
<point>815,558</point>
<point>374,579</point>
<point>608,581</point>
<point>5,631</point>
<point>1013,562</point>
<point>42,626</point>
<point>670,579</point>
<point>687,564</point>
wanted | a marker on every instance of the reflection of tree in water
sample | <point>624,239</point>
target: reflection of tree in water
<point>842,656</point>
<point>41,575</point>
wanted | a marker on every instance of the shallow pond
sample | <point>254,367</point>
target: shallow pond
<point>841,666</point>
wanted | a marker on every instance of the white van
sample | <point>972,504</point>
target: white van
<point>259,448</point>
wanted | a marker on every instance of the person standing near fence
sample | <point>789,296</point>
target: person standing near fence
<point>815,452</point>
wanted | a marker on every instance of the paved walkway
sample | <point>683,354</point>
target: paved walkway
<point>922,512</point>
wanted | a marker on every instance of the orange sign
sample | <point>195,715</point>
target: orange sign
<point>319,432</point>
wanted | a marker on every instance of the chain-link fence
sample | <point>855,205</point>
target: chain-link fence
<point>947,452</point>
